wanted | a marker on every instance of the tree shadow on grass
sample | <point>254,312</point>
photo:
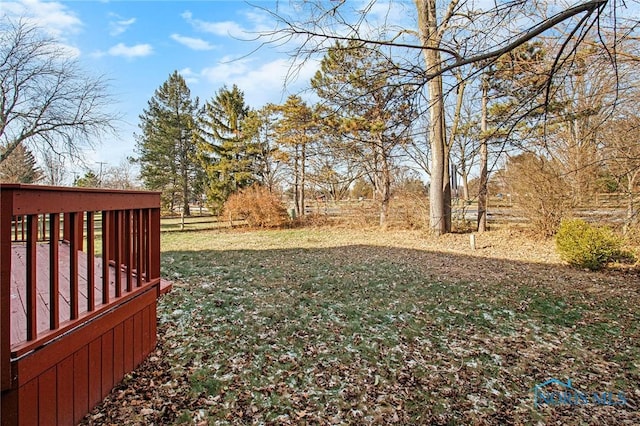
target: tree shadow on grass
<point>367,334</point>
<point>348,333</point>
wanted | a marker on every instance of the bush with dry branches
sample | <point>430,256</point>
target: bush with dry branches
<point>540,191</point>
<point>257,206</point>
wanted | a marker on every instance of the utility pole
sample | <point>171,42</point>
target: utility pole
<point>100,174</point>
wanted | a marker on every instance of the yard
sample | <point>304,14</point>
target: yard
<point>335,326</point>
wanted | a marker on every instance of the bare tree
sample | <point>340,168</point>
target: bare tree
<point>54,169</point>
<point>484,35</point>
<point>122,176</point>
<point>47,101</point>
<point>622,156</point>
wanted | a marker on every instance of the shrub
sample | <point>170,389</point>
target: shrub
<point>586,246</point>
<point>540,191</point>
<point>256,205</point>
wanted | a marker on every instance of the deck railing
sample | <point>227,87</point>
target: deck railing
<point>108,234</point>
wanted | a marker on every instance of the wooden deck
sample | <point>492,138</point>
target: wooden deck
<point>73,324</point>
<point>19,296</point>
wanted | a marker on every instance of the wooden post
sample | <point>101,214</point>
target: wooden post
<point>6,212</point>
<point>91,268</point>
<point>139,246</point>
<point>154,245</point>
<point>128,253</point>
<point>74,292</point>
<point>117,243</point>
<point>32,264</point>
<point>54,267</point>
<point>106,251</point>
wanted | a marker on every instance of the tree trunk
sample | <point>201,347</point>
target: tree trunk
<point>385,191</point>
<point>439,190</point>
<point>446,190</point>
<point>296,183</point>
<point>483,190</point>
<point>630,205</point>
<point>186,210</point>
<point>301,197</point>
<point>465,185</point>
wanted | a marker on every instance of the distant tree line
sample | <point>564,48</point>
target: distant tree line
<point>544,112</point>
<point>364,133</point>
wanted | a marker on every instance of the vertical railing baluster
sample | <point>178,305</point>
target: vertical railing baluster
<point>144,219</point>
<point>106,249</point>
<point>54,270</point>
<point>73,265</point>
<point>44,227</point>
<point>91,275</point>
<point>139,244</point>
<point>147,244</point>
<point>154,244</point>
<point>32,290</point>
<point>128,254</point>
<point>117,223</point>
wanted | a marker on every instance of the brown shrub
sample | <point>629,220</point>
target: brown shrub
<point>540,191</point>
<point>259,207</point>
<point>409,210</point>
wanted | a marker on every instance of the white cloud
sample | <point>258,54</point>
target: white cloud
<point>227,67</point>
<point>53,17</point>
<point>193,43</point>
<point>123,50</point>
<point>260,83</point>
<point>68,50</point>
<point>189,76</point>
<point>220,28</point>
<point>120,25</point>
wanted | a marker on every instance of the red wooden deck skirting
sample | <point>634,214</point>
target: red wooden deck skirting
<point>72,324</point>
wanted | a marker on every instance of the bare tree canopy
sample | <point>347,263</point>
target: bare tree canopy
<point>468,31</point>
<point>450,36</point>
<point>47,101</point>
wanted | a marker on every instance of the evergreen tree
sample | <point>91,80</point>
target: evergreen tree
<point>369,106</point>
<point>19,166</point>
<point>227,152</point>
<point>89,180</point>
<point>269,163</point>
<point>295,130</point>
<point>166,147</point>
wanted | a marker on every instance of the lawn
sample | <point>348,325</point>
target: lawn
<point>333,326</point>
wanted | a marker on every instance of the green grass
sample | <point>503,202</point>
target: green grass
<point>341,327</point>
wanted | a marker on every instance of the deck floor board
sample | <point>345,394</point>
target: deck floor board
<point>18,287</point>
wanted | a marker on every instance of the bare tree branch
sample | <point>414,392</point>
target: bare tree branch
<point>46,100</point>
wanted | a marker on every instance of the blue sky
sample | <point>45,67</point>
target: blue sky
<point>138,44</point>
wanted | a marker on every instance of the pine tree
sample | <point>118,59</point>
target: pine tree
<point>227,152</point>
<point>270,159</point>
<point>89,180</point>
<point>370,110</point>
<point>166,147</point>
<point>19,166</point>
<point>295,130</point>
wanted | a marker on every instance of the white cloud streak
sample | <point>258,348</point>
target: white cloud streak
<point>229,28</point>
<point>192,43</point>
<point>120,25</point>
<point>129,52</point>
